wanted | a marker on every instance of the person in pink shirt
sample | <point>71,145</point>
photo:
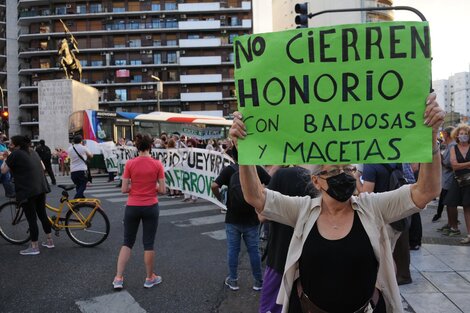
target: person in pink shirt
<point>143,177</point>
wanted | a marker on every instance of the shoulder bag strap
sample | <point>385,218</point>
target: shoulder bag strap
<point>78,154</point>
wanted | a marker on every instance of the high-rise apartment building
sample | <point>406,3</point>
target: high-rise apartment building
<point>284,14</point>
<point>187,44</point>
<point>453,94</point>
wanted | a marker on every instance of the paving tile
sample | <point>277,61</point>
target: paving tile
<point>430,303</point>
<point>462,300</point>
<point>465,275</point>
<point>429,263</point>
<point>448,282</point>
<point>457,262</point>
<point>446,249</point>
<point>419,285</point>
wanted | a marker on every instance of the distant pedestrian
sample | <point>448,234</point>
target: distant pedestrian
<point>241,221</point>
<point>143,178</point>
<point>55,162</point>
<point>46,156</point>
<point>78,154</point>
<point>459,191</point>
<point>447,178</point>
<point>31,188</point>
<point>5,179</point>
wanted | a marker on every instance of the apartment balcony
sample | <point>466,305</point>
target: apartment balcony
<point>189,61</point>
<point>28,105</point>
<point>201,96</point>
<point>193,25</point>
<point>198,7</point>
<point>201,79</point>
<point>203,42</point>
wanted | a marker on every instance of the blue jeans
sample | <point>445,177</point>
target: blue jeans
<point>5,179</point>
<point>250,235</point>
<point>80,180</point>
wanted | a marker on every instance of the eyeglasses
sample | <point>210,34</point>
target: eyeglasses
<point>349,170</point>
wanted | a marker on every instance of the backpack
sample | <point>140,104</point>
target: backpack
<point>396,180</point>
<point>235,194</point>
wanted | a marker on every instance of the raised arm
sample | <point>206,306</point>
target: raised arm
<point>252,189</point>
<point>428,185</point>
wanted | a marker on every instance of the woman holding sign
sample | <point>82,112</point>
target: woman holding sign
<point>339,258</point>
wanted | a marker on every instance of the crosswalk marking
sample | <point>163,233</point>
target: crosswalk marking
<point>121,302</point>
<point>198,221</point>
<point>217,234</point>
<point>108,194</point>
<point>171,212</point>
<point>169,207</point>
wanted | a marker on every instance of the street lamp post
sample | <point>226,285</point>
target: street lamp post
<point>158,91</point>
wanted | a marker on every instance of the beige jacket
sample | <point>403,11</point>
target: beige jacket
<point>375,210</point>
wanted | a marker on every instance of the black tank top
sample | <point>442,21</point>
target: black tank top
<point>337,275</point>
<point>461,159</point>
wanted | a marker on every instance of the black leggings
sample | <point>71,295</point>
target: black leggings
<point>36,206</point>
<point>132,217</point>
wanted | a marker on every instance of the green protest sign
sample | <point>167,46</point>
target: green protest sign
<point>343,94</point>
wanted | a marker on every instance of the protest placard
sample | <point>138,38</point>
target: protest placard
<point>342,94</point>
<point>190,170</point>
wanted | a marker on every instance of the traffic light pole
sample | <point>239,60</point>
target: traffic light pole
<point>399,8</point>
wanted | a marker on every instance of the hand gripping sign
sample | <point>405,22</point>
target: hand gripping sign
<point>342,94</point>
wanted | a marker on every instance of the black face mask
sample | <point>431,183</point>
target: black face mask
<point>341,187</point>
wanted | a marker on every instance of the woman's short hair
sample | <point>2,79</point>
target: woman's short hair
<point>77,139</point>
<point>24,142</point>
<point>143,142</point>
<point>456,131</point>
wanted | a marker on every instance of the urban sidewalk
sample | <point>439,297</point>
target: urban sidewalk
<point>440,270</point>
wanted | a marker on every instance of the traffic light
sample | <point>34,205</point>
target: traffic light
<point>5,115</point>
<point>302,18</point>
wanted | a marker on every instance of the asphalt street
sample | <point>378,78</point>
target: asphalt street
<point>190,256</point>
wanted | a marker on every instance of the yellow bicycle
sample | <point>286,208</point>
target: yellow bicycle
<point>85,221</point>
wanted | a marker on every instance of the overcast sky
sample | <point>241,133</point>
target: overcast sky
<point>449,22</point>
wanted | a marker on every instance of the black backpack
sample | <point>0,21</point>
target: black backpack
<point>235,194</point>
<point>396,180</point>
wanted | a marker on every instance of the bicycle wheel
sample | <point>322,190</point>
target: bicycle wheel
<point>94,232</point>
<point>13,224</point>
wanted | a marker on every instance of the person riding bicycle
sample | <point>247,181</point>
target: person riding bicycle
<point>31,187</point>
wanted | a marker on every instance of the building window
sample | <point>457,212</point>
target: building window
<point>95,8</point>
<point>121,94</point>
<point>84,62</point>
<point>170,6</point>
<point>232,37</point>
<point>171,23</point>
<point>97,63</point>
<point>171,57</point>
<point>117,10</point>
<point>172,76</point>
<point>193,36</point>
<point>136,62</point>
<point>157,43</point>
<point>81,8</point>
<point>156,23</point>
<point>60,10</point>
<point>134,43</point>
<point>155,6</point>
<point>171,43</point>
<point>120,62</point>
<point>133,25</point>
<point>136,79</point>
<point>44,63</point>
<point>157,58</point>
